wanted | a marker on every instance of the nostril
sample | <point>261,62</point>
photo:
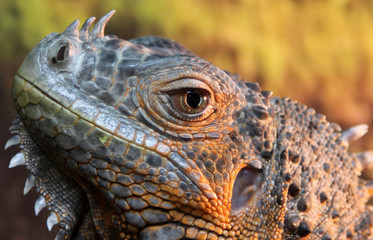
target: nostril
<point>247,183</point>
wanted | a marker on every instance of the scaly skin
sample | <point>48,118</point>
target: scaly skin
<point>142,139</point>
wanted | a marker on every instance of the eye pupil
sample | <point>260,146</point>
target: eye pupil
<point>193,99</point>
<point>61,54</point>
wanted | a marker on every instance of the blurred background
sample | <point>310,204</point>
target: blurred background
<point>317,52</point>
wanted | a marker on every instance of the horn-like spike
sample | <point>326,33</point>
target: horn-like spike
<point>16,139</point>
<point>61,235</point>
<point>83,34</point>
<point>51,221</point>
<point>99,28</point>
<point>17,160</point>
<point>29,184</point>
<point>354,133</point>
<point>72,29</point>
<point>335,127</point>
<point>16,121</point>
<point>15,125</point>
<point>14,128</point>
<point>39,205</point>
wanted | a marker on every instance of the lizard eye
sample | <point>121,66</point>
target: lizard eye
<point>59,54</point>
<point>190,101</point>
<point>184,100</point>
<point>190,104</point>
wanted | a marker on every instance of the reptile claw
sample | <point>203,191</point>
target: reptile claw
<point>51,221</point>
<point>39,205</point>
<point>17,160</point>
<point>29,184</point>
<point>16,139</point>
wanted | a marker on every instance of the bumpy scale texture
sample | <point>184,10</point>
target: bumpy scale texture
<point>142,139</point>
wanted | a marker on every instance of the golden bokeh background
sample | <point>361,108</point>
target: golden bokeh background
<point>319,52</point>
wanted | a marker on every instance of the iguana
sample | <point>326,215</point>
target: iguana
<point>142,139</point>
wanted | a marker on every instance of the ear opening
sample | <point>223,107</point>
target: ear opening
<point>247,183</point>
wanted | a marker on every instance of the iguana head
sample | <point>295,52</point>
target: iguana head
<point>143,139</point>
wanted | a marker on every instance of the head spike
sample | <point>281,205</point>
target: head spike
<point>99,28</point>
<point>354,133</point>
<point>72,29</point>
<point>83,34</point>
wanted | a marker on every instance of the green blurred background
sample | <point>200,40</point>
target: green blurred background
<point>318,52</point>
